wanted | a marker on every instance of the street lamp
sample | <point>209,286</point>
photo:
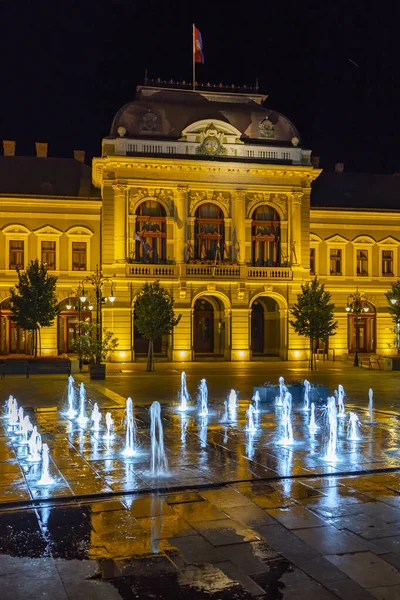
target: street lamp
<point>357,303</point>
<point>97,280</point>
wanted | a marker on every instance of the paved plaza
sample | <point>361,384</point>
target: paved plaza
<point>238,515</point>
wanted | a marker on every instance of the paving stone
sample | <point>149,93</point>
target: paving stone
<point>296,517</point>
<point>225,531</point>
<point>328,540</point>
<point>299,586</point>
<point>367,569</point>
<point>199,511</point>
<point>252,557</point>
<point>386,593</point>
<point>389,544</point>
<point>163,527</point>
<point>29,579</point>
<point>197,550</point>
<point>251,515</point>
<point>75,576</point>
<point>236,574</point>
<point>225,497</point>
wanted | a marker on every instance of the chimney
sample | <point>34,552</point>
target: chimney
<point>79,155</point>
<point>315,161</point>
<point>8,148</point>
<point>41,149</point>
<point>339,167</point>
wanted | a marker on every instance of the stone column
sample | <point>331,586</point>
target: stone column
<point>180,223</point>
<point>238,232</point>
<point>120,223</point>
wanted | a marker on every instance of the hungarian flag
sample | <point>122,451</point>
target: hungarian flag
<point>198,46</point>
<point>146,247</point>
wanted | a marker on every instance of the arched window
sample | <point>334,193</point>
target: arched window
<point>209,233</point>
<point>265,237</point>
<point>151,233</point>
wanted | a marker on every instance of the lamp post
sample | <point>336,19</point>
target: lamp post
<point>357,303</point>
<point>97,280</point>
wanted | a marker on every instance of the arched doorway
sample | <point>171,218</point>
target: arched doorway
<point>208,326</point>
<point>265,327</point>
<point>365,321</point>
<point>13,339</point>
<point>67,322</point>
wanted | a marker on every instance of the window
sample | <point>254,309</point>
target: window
<point>48,254</point>
<point>79,256</point>
<point>209,233</point>
<point>387,263</point>
<point>312,261</point>
<point>16,256</point>
<point>362,263</point>
<point>335,257</point>
<point>265,237</point>
<point>151,229</point>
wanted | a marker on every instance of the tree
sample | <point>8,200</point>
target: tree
<point>89,347</point>
<point>33,300</point>
<point>313,315</point>
<point>393,298</point>
<point>154,315</point>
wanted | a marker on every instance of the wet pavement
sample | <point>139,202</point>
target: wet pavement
<point>238,517</point>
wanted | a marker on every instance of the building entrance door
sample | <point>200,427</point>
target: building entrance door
<point>257,328</point>
<point>203,341</point>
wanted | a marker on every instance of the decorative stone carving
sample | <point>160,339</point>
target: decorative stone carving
<point>136,195</point>
<point>297,197</point>
<point>254,199</point>
<point>195,198</point>
<point>149,122</point>
<point>266,128</point>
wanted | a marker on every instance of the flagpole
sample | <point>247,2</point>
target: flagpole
<point>194,56</point>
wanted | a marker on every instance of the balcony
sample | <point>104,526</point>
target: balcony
<point>199,271</point>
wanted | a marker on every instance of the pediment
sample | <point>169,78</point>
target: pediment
<point>79,230</point>
<point>48,230</point>
<point>336,239</point>
<point>16,229</point>
<point>211,125</point>
<point>364,239</point>
<point>389,241</point>
<point>315,238</point>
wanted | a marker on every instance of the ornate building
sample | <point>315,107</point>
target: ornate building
<point>209,192</point>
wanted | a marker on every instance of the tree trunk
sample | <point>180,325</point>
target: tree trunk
<point>35,341</point>
<point>40,341</point>
<point>311,354</point>
<point>150,357</point>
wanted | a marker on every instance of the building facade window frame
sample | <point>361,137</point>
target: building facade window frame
<point>315,241</point>
<point>209,233</point>
<point>152,229</point>
<point>363,244</point>
<point>79,234</point>
<point>49,234</point>
<point>388,244</point>
<point>267,242</point>
<point>336,242</point>
<point>16,233</point>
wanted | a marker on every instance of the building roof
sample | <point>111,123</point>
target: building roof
<point>165,113</point>
<point>356,190</point>
<point>28,175</point>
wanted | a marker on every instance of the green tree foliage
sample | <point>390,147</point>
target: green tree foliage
<point>154,315</point>
<point>33,300</point>
<point>313,315</point>
<point>393,298</point>
<point>90,347</point>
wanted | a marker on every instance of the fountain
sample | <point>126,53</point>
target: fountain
<point>203,398</point>
<point>159,463</point>
<point>340,399</point>
<point>71,413</point>
<point>184,424</point>
<point>370,404</point>
<point>203,432</point>
<point>232,405</point>
<point>82,419</point>
<point>287,430</point>
<point>183,393</point>
<point>34,445</point>
<point>8,406</point>
<point>250,414</point>
<point>282,388</point>
<point>353,431</point>
<point>12,412</point>
<point>96,417</point>
<point>331,449</point>
<point>20,420</point>
<point>313,424</point>
<point>256,400</point>
<point>26,427</point>
<point>109,425</point>
<point>130,443</point>
<point>307,387</point>
<point>45,478</point>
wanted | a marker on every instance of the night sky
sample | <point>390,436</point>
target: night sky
<point>67,67</point>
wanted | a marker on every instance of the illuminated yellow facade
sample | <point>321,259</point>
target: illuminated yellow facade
<point>208,192</point>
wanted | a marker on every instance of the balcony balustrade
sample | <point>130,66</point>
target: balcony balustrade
<point>199,271</point>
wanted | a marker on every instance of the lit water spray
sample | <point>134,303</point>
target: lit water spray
<point>370,404</point>
<point>183,393</point>
<point>331,449</point>
<point>109,425</point>
<point>26,427</point>
<point>35,445</point>
<point>256,400</point>
<point>286,421</point>
<point>250,414</point>
<point>8,406</point>
<point>12,412</point>
<point>130,438</point>
<point>82,419</point>
<point>71,413</point>
<point>45,479</point>
<point>20,420</point>
<point>232,405</point>
<point>313,423</point>
<point>279,399</point>
<point>203,432</point>
<point>203,398</point>
<point>353,430</point>
<point>159,462</point>
<point>307,386</point>
<point>340,399</point>
<point>96,417</point>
